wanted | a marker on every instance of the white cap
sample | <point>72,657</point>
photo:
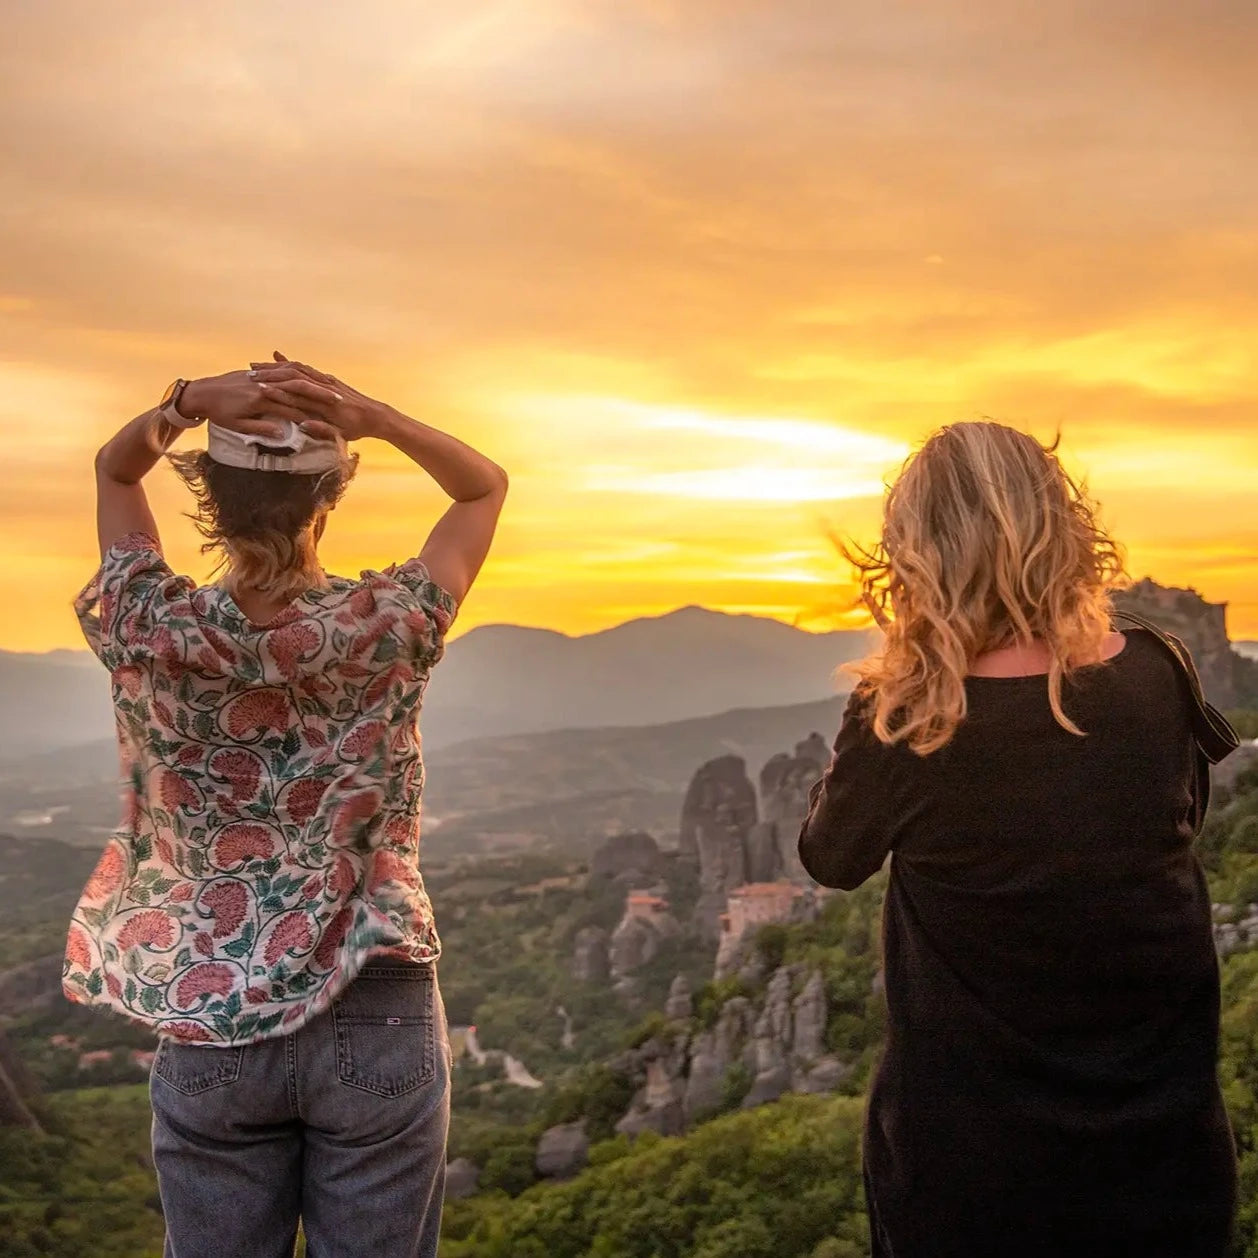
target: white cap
<point>258,450</point>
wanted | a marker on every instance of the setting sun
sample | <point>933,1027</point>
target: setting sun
<point>699,300</point>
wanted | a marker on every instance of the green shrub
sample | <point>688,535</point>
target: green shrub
<point>736,1084</point>
<point>510,1167</point>
<point>1244,837</point>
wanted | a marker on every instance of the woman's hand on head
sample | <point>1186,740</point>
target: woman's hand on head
<point>329,403</point>
<point>237,400</point>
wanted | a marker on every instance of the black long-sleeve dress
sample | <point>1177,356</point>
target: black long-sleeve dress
<point>1048,1085</point>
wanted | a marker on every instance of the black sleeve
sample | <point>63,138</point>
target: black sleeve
<point>857,807</point>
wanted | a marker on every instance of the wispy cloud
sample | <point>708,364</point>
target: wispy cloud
<point>713,267</point>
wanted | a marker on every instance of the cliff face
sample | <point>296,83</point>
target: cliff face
<point>777,1039</point>
<point>717,816</point>
<point>1229,679</point>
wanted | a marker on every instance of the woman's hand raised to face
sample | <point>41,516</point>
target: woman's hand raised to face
<point>327,401</point>
<point>237,400</point>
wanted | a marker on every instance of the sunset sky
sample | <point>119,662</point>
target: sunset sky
<point>698,274</point>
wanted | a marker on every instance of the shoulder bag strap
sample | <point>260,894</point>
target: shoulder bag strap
<point>1212,731</point>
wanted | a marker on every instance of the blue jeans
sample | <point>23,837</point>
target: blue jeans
<point>342,1124</point>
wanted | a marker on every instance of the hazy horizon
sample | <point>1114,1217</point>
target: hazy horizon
<point>459,631</point>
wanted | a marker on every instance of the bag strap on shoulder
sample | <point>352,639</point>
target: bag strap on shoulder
<point>1213,732</point>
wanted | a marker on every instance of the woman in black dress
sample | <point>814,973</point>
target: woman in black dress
<point>1048,1085</point>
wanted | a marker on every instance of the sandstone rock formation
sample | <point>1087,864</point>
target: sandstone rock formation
<point>657,1106</point>
<point>1235,927</point>
<point>1228,679</point>
<point>680,1003</point>
<point>590,962</point>
<point>716,818</point>
<point>764,860</point>
<point>772,1041</point>
<point>705,1078</point>
<point>462,1178</point>
<point>562,1151</point>
<point>779,1041</point>
<point>633,858</point>
<point>633,944</point>
<point>809,1019</point>
<point>643,928</point>
<point>1242,760</point>
<point>784,785</point>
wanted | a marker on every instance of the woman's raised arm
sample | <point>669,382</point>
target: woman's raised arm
<point>460,540</point>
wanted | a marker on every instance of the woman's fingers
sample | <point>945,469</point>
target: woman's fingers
<point>281,405</point>
<point>301,369</point>
<point>299,392</point>
<point>275,374</point>
<point>321,430</point>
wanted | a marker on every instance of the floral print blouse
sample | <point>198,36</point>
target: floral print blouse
<point>271,779</point>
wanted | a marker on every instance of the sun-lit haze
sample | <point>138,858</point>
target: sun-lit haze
<point>699,275</point>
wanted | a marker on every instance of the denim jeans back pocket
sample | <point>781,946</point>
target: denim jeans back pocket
<point>193,1068</point>
<point>385,1040</point>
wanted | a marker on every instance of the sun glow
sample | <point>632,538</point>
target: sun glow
<point>698,299</point>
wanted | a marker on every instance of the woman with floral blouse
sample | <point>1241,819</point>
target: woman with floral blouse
<point>260,905</point>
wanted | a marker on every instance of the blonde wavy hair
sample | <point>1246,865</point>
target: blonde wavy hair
<point>986,542</point>
<point>265,526</point>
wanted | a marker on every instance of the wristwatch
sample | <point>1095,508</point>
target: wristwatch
<point>168,407</point>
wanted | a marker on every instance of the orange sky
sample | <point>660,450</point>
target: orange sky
<point>698,274</point>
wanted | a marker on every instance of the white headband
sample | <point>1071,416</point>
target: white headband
<point>250,449</point>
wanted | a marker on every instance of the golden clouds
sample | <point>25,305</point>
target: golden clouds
<point>697,273</point>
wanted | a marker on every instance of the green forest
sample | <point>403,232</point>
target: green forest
<point>782,1179</point>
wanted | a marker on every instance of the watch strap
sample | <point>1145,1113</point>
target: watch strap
<point>169,410</point>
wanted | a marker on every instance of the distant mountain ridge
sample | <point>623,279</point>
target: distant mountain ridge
<point>503,680</point>
<point>508,679</point>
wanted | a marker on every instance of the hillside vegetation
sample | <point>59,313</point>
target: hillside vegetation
<point>781,1179</point>
<point>774,1182</point>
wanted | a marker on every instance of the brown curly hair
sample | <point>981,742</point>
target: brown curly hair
<point>265,525</point>
<point>986,542</point>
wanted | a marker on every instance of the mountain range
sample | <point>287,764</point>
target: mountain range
<point>506,679</point>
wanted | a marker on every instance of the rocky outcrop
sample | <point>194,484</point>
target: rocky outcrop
<point>1226,676</point>
<point>714,1052</point>
<point>764,860</point>
<point>633,944</point>
<point>1242,760</point>
<point>680,1003</point>
<point>784,785</point>
<point>705,1079</point>
<point>657,1106</point>
<point>772,1042</point>
<point>779,1041</point>
<point>716,818</point>
<point>1235,927</point>
<point>562,1151</point>
<point>809,1019</point>
<point>462,1178</point>
<point>590,962</point>
<point>633,858</point>
<point>643,928</point>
